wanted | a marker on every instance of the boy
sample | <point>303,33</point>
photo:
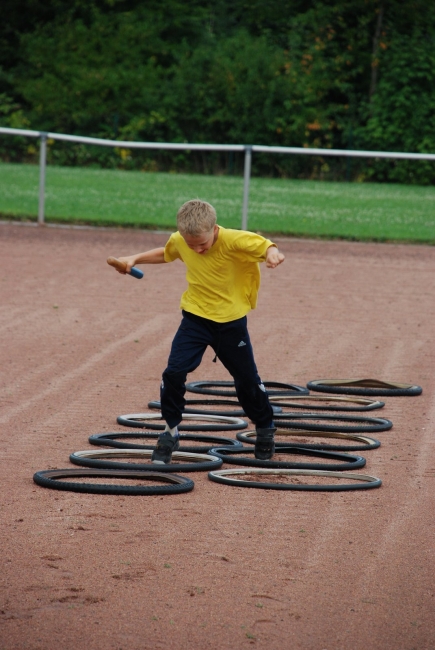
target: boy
<point>223,278</point>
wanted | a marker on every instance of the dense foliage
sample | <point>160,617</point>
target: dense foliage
<point>354,74</point>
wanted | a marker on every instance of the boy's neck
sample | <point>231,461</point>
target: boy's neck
<point>216,235</point>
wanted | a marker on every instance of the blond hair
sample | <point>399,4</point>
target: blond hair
<point>195,217</point>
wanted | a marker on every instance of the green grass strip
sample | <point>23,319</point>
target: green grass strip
<point>100,197</point>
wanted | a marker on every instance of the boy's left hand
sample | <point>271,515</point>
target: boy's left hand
<point>273,257</point>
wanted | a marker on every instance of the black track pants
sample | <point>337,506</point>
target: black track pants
<point>232,345</point>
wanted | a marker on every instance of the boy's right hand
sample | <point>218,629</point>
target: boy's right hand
<point>129,261</point>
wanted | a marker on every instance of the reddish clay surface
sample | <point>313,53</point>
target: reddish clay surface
<point>220,567</point>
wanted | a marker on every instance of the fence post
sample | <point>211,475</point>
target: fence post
<point>246,179</point>
<point>42,166</point>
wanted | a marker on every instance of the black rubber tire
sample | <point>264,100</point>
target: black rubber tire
<point>364,443</point>
<point>240,413</point>
<point>116,440</point>
<point>314,403</point>
<point>49,479</point>
<point>96,458</point>
<point>302,422</point>
<point>367,482</point>
<point>345,461</point>
<point>272,387</point>
<point>129,421</point>
<point>401,390</point>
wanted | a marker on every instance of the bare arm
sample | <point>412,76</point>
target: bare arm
<point>154,256</point>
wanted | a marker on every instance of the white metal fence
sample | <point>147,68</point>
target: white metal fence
<point>248,149</point>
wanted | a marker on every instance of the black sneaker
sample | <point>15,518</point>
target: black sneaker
<point>166,444</point>
<point>264,443</point>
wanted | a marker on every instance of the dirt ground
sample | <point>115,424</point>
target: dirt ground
<point>220,567</point>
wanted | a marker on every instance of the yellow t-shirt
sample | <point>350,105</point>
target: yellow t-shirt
<point>223,283</point>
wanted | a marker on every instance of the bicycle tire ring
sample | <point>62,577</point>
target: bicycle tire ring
<point>96,458</point>
<point>237,413</point>
<point>302,422</point>
<point>156,404</point>
<point>366,443</point>
<point>347,462</point>
<point>374,391</point>
<point>367,481</point>
<point>302,402</point>
<point>272,387</point>
<point>129,420</point>
<point>111,440</point>
<point>48,479</point>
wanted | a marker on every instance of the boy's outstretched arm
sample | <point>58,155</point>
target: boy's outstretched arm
<point>154,256</point>
<point>273,257</point>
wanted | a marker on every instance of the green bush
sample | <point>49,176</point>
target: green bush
<point>402,114</point>
<point>324,73</point>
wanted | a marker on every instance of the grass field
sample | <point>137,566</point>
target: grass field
<point>359,211</point>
